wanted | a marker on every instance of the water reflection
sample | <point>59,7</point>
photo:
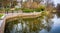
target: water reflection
<point>29,25</point>
<point>56,26</point>
<point>58,14</point>
<point>45,24</point>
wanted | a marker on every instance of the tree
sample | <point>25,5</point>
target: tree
<point>30,4</point>
<point>49,5</point>
<point>58,10</point>
<point>6,3</point>
<point>58,7</point>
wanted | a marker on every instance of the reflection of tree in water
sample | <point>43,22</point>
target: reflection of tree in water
<point>58,14</point>
<point>49,24</point>
<point>29,25</point>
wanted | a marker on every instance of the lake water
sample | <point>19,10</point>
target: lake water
<point>56,26</point>
<point>34,25</point>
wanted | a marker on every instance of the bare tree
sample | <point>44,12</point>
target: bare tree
<point>49,5</point>
<point>32,3</point>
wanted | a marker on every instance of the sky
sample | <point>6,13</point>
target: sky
<point>56,1</point>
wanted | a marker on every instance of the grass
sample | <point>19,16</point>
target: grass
<point>26,10</point>
<point>1,15</point>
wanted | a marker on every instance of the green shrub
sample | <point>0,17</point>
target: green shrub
<point>1,9</point>
<point>27,10</point>
<point>1,15</point>
<point>7,9</point>
<point>17,9</point>
<point>39,9</point>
